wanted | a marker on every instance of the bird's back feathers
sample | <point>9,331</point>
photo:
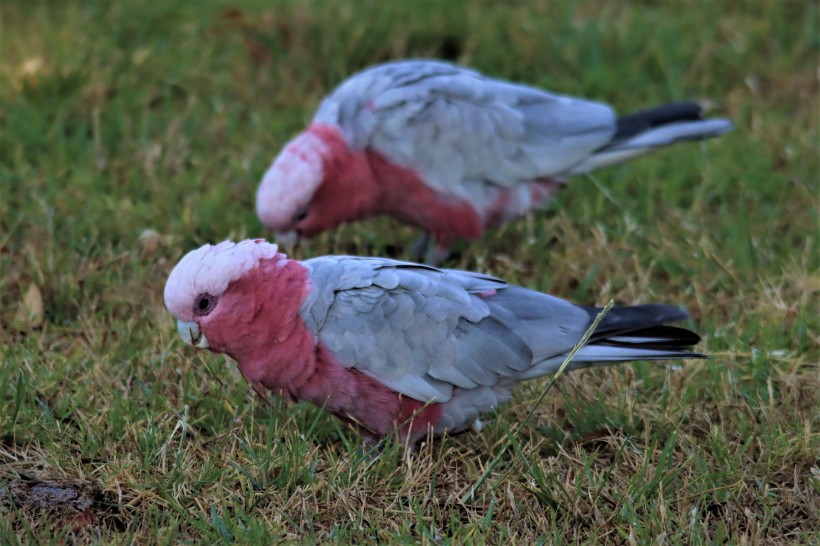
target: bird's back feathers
<point>476,138</point>
<point>427,333</point>
<point>459,129</point>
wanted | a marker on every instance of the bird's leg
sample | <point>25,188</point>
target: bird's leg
<point>371,446</point>
<point>418,249</point>
<point>436,255</point>
<point>425,250</point>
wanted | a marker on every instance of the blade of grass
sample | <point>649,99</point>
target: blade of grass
<point>511,437</point>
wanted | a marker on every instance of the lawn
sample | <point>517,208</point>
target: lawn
<point>132,132</point>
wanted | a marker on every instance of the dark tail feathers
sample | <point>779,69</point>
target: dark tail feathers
<point>642,326</point>
<point>633,124</point>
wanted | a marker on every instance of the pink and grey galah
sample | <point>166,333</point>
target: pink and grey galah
<point>395,348</point>
<point>451,151</point>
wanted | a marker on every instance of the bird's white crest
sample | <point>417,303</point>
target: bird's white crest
<point>290,182</point>
<point>210,269</point>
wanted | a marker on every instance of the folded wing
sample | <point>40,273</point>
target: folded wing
<point>461,130</point>
<point>424,331</point>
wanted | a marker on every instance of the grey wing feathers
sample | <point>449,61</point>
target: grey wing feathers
<point>418,330</point>
<point>427,333</point>
<point>460,129</point>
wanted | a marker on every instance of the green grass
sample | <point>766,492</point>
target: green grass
<point>123,116</point>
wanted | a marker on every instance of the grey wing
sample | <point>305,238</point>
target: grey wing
<point>416,329</point>
<point>458,128</point>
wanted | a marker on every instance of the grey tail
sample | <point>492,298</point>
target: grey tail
<point>640,133</point>
<point>639,333</point>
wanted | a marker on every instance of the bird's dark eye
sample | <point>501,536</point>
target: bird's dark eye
<point>204,304</point>
<point>300,214</point>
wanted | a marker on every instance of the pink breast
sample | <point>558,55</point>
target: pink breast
<point>408,197</point>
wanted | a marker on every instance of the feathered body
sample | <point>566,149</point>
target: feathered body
<point>395,347</point>
<point>451,151</point>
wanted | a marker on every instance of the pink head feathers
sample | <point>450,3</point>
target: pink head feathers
<point>289,184</point>
<point>209,270</point>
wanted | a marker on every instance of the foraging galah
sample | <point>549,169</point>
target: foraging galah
<point>395,347</point>
<point>451,151</point>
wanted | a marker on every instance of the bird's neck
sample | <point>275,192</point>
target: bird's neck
<point>258,323</point>
<point>350,189</point>
<point>360,183</point>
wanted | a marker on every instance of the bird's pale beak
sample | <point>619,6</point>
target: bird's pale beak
<point>191,334</point>
<point>288,239</point>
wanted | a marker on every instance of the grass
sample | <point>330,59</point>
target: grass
<point>118,117</point>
